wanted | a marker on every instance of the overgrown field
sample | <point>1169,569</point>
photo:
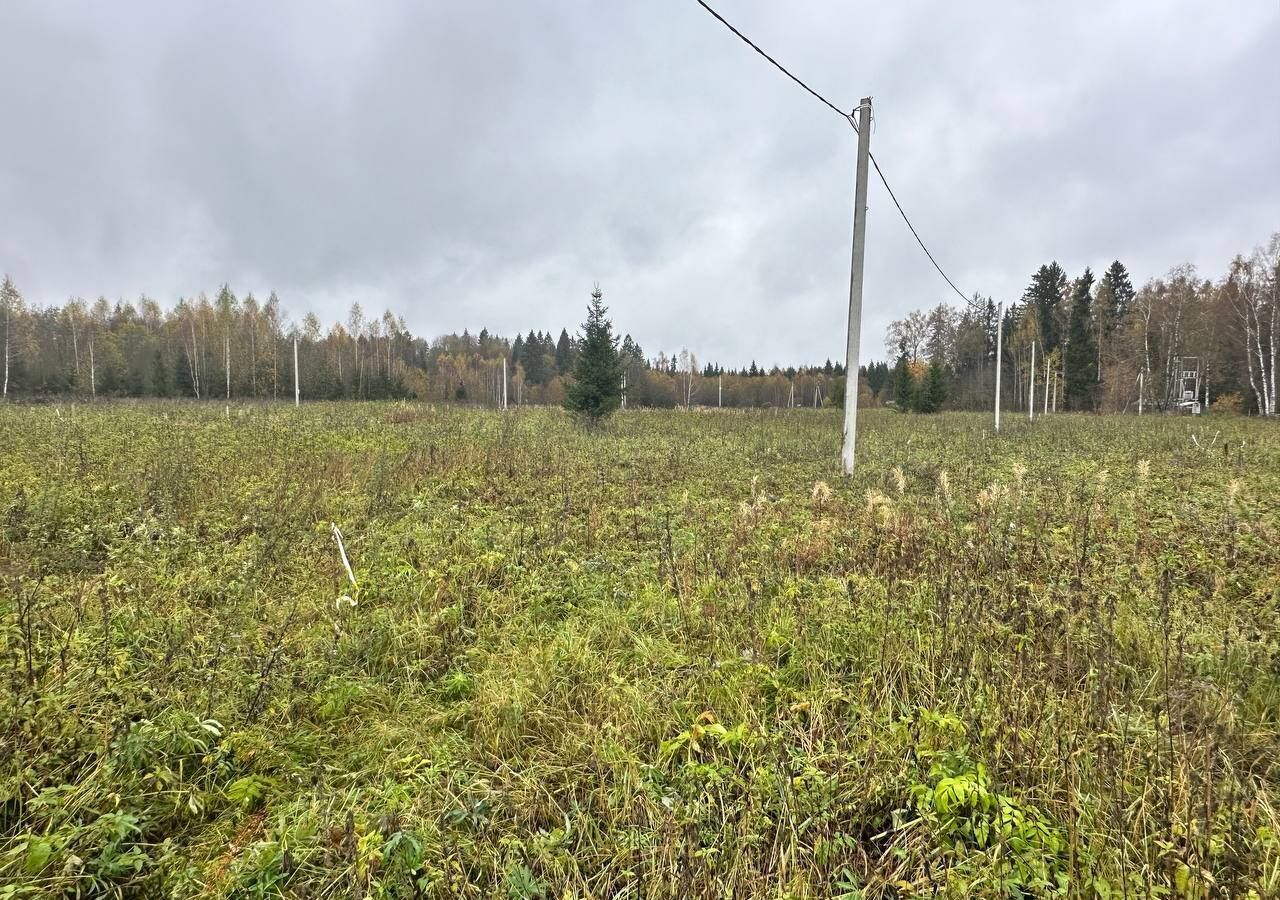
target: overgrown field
<point>680,657</point>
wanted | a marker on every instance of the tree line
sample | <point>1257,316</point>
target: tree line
<point>1098,343</point>
<point>235,347</point>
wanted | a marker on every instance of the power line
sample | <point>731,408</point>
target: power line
<point>848,118</point>
<point>781,68</point>
<point>914,233</point>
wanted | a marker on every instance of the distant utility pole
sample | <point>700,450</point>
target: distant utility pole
<point>504,382</point>
<point>297,385</point>
<point>855,287</point>
<point>719,391</point>
<point>999,358</point>
<point>1046,384</point>
<point>1031,395</point>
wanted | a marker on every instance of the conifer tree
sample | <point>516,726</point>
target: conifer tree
<point>1044,295</point>
<point>1080,359</point>
<point>1111,304</point>
<point>160,384</point>
<point>596,389</point>
<point>517,348</point>
<point>933,392</point>
<point>902,382</point>
<point>1120,294</point>
<point>564,353</point>
<point>632,349</point>
<point>533,360</point>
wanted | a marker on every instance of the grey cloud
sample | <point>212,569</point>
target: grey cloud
<point>475,164</point>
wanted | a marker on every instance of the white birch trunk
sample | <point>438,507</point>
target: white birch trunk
<point>195,360</point>
<point>1271,397</point>
<point>999,358</point>
<point>1146,339</point>
<point>75,342</point>
<point>1265,401</point>
<point>297,384</point>
<point>253,357</point>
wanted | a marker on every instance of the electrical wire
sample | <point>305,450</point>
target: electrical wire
<point>848,117</point>
<point>914,233</point>
<point>781,68</point>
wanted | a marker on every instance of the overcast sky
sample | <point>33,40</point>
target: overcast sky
<point>472,163</point>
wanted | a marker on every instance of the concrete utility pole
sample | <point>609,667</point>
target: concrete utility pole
<point>719,391</point>
<point>1031,396</point>
<point>999,358</point>
<point>504,382</point>
<point>297,385</point>
<point>855,288</point>
<point>1046,384</point>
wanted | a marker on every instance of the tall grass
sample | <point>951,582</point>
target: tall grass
<point>679,657</point>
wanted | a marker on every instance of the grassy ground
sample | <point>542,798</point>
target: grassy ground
<point>680,657</point>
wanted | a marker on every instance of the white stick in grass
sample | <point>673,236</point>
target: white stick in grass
<point>346,563</point>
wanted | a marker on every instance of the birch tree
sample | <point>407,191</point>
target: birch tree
<point>1252,287</point>
<point>355,327</point>
<point>227,312</point>
<point>250,308</point>
<point>688,370</point>
<point>74,313</point>
<point>11,300</point>
<point>272,315</point>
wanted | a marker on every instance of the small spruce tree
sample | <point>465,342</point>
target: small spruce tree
<point>933,392</point>
<point>902,383</point>
<point>596,390</point>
